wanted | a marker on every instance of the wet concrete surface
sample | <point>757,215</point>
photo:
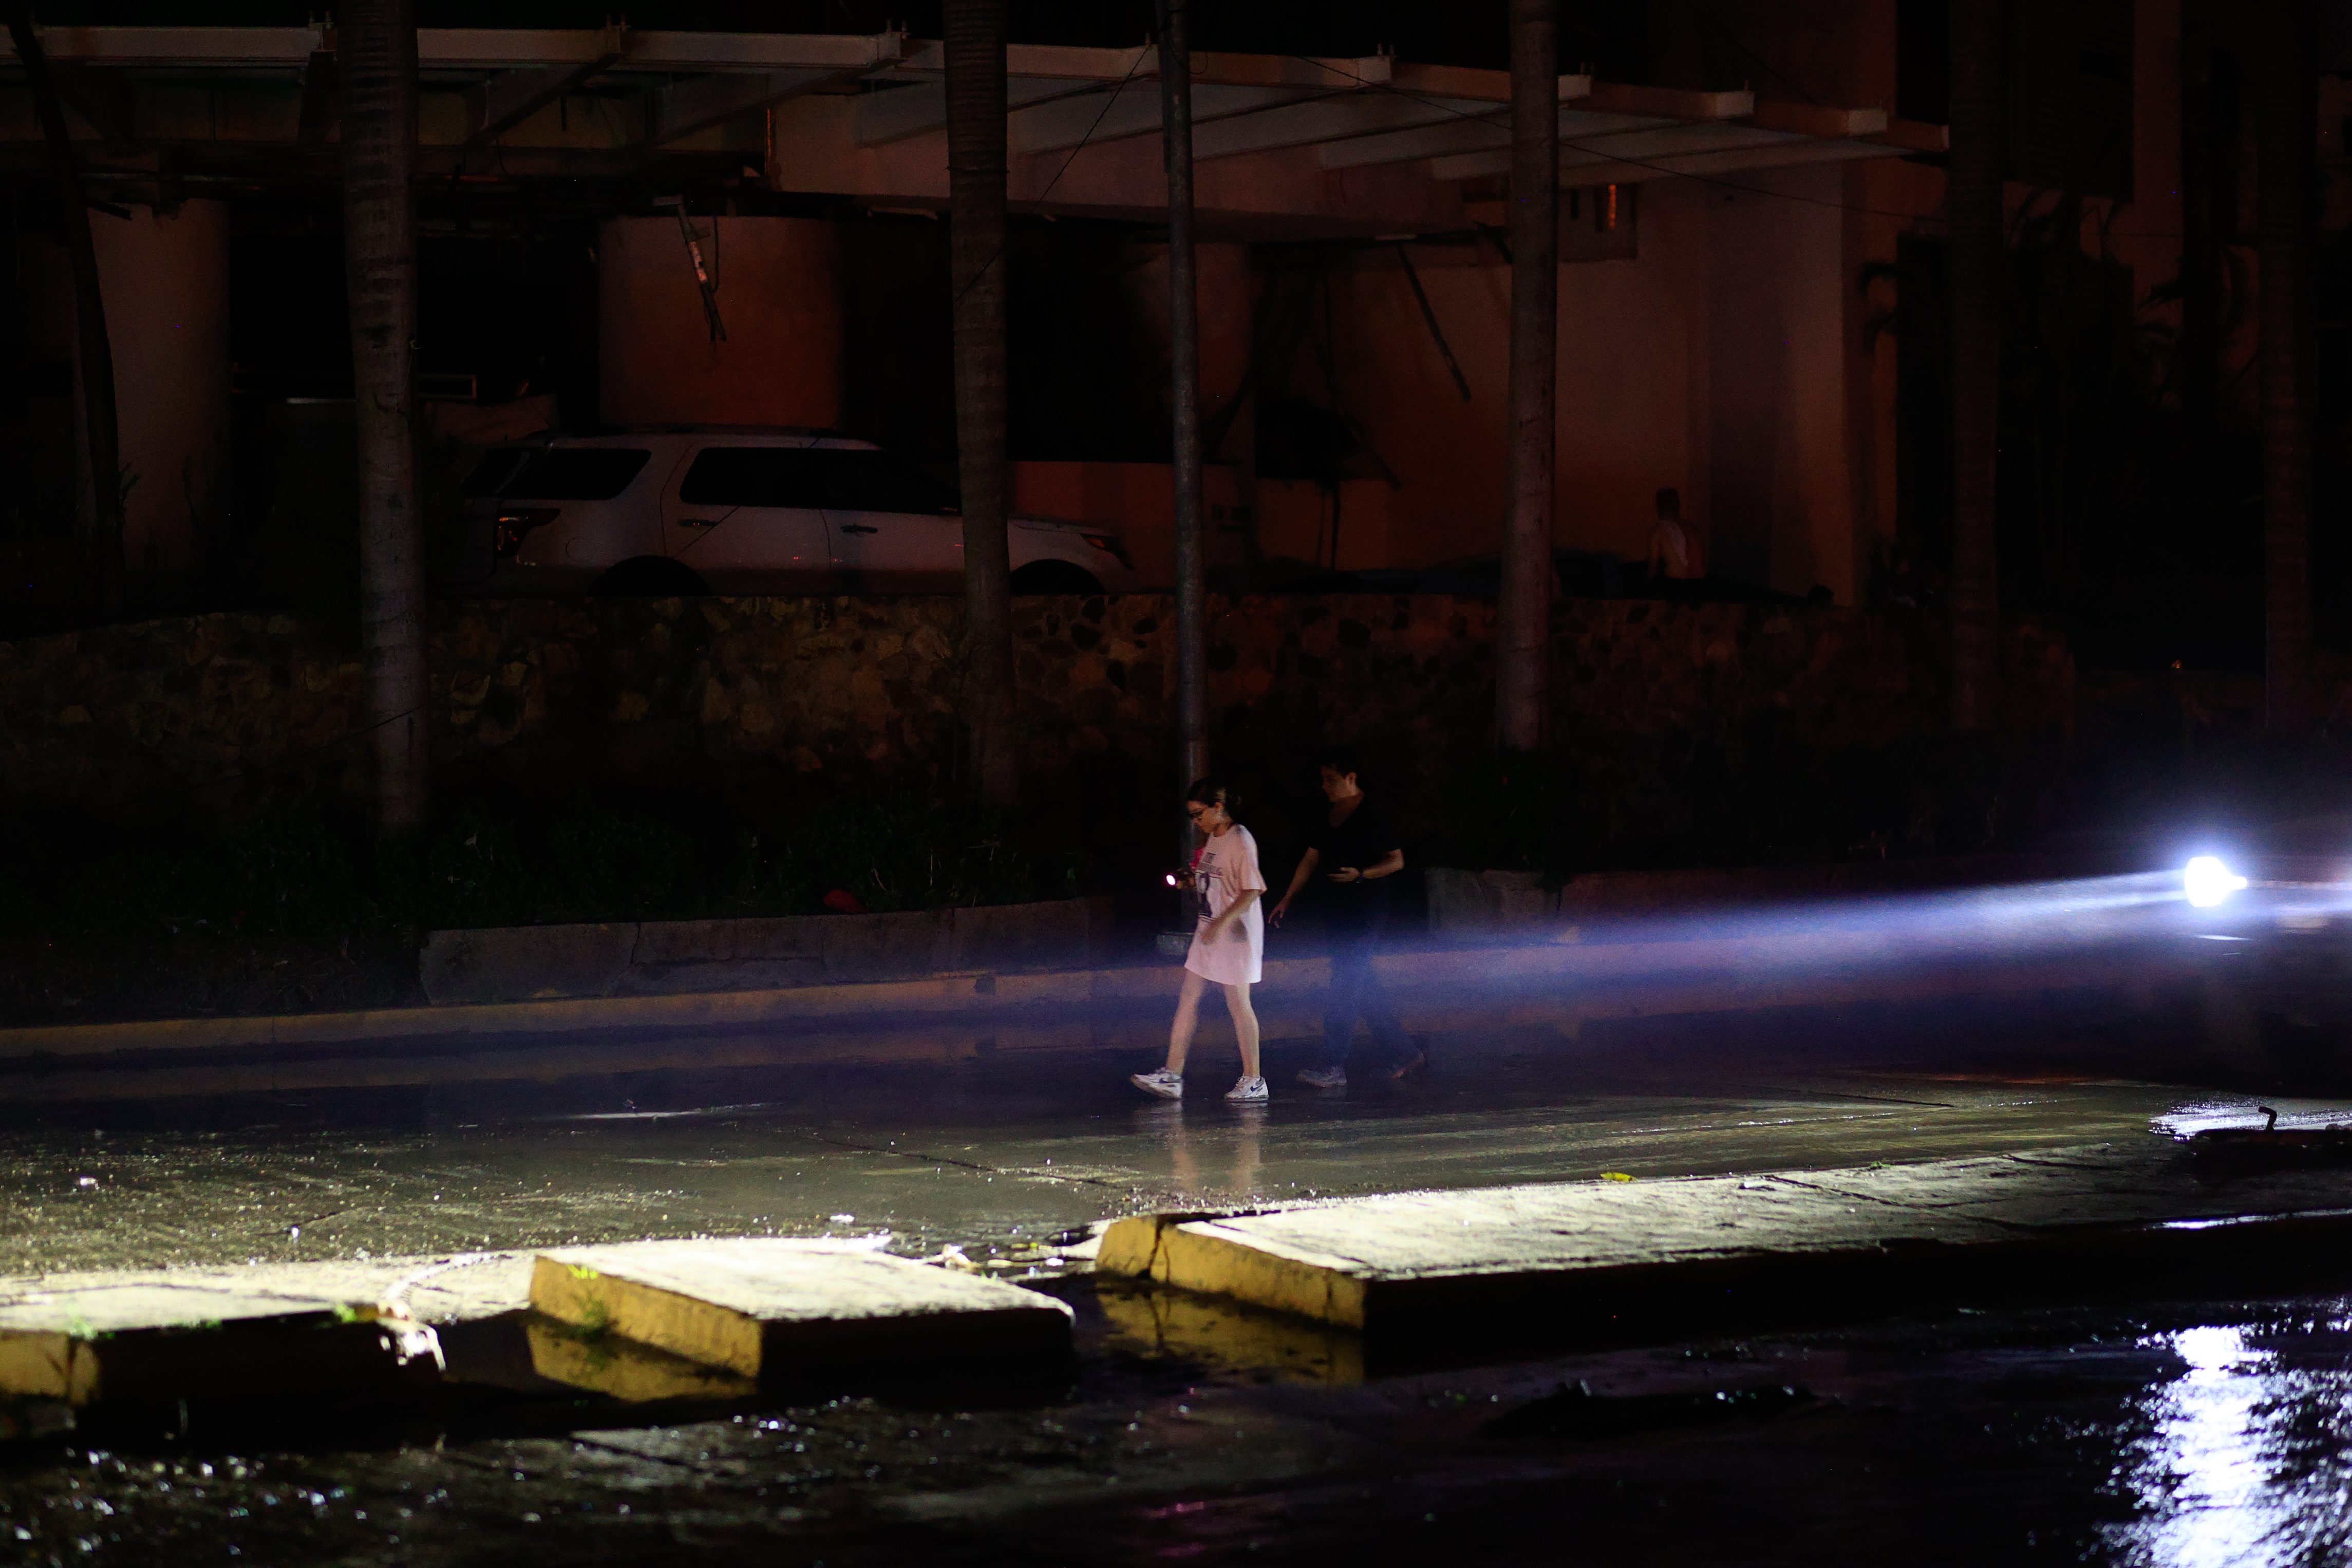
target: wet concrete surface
<point>2148,1434</point>
<point>992,1158</point>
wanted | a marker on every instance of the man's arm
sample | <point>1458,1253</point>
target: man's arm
<point>1307,863</point>
<point>1388,865</point>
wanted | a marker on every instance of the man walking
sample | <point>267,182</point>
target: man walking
<point>1357,851</point>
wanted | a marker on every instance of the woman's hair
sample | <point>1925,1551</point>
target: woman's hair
<point>1210,792</point>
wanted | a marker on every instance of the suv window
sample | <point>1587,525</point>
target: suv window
<point>558,472</point>
<point>823,478</point>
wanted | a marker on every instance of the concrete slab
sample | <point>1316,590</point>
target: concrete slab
<point>705,1321</point>
<point>1599,1258</point>
<point>802,1312</point>
<point>1060,935</point>
<point>880,947</point>
<point>517,963</point>
<point>165,1340</point>
<point>623,1369</point>
<point>666,958</point>
<point>1228,1335</point>
<point>686,956</point>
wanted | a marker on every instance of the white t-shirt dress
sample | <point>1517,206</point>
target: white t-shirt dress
<point>1227,868</point>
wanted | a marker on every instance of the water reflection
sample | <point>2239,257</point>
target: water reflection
<point>2245,1459</point>
<point>1214,1163</point>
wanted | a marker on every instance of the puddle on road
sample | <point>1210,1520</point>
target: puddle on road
<point>2161,1438</point>
<point>2244,1455</point>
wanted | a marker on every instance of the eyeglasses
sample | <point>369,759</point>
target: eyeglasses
<point>1197,812</point>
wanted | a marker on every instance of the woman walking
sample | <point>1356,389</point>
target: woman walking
<point>1228,949</point>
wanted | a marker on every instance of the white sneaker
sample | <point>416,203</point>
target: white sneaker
<point>1323,1077</point>
<point>1248,1092</point>
<point>1161,1082</point>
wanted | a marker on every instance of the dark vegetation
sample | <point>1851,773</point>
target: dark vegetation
<point>289,909</point>
<point>291,872</point>
<point>1698,802</point>
<point>2146,786</point>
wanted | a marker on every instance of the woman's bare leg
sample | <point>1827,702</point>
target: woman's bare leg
<point>1238,1002</point>
<point>1188,1019</point>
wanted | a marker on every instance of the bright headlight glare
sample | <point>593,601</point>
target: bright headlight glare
<point>2207,881</point>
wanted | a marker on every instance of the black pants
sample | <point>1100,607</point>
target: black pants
<point>1356,993</point>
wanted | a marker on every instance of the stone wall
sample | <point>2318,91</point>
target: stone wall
<point>770,699</point>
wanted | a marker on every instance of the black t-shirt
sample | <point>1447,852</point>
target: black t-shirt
<point>1365,839</point>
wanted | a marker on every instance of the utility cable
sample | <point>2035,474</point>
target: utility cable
<point>1587,143</point>
<point>1109,100</point>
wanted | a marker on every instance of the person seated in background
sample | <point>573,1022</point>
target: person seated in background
<point>1675,549</point>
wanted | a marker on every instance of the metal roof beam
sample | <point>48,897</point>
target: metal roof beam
<point>1669,141</point>
<point>284,48</point>
<point>511,97</point>
<point>477,49</point>
<point>1387,108</point>
<point>1133,109</point>
<point>1327,119</point>
<point>926,57</point>
<point>920,108</point>
<point>1703,124</point>
<point>1465,138</point>
<point>696,103</point>
<point>1788,156</point>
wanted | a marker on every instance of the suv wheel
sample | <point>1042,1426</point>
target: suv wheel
<point>1055,577</point>
<point>651,577</point>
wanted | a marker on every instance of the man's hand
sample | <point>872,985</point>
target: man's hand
<point>1275,916</point>
<point>1347,874</point>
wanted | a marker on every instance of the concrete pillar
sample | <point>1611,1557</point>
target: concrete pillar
<point>778,294</point>
<point>1780,444</point>
<point>164,278</point>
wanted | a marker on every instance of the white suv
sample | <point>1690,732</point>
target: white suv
<point>705,510</point>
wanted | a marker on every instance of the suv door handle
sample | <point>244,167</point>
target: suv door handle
<point>859,528</point>
<point>698,522</point>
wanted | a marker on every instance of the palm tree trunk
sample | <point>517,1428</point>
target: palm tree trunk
<point>2202,231</point>
<point>96,354</point>
<point>2285,222</point>
<point>1523,629</point>
<point>1973,205</point>
<point>976,158</point>
<point>376,50</point>
<point>1185,367</point>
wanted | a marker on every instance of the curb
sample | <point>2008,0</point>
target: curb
<point>940,994</point>
<point>1555,1265</point>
